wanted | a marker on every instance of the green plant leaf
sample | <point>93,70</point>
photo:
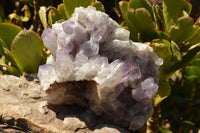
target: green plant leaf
<point>192,70</point>
<point>123,5</point>
<point>42,15</point>
<point>8,32</point>
<point>158,18</point>
<point>2,16</point>
<point>162,49</point>
<point>133,33</point>
<point>195,62</point>
<point>2,45</point>
<point>143,22</point>
<point>27,49</point>
<point>194,39</point>
<point>184,30</point>
<point>176,54</point>
<point>53,16</point>
<point>61,11</point>
<point>186,59</point>
<point>27,13</point>
<point>191,79</point>
<point>11,70</point>
<point>135,4</point>
<point>173,10</point>
<point>99,6</point>
<point>7,54</point>
<point>164,91</point>
<point>70,5</point>
<point>163,35</point>
<point>161,130</point>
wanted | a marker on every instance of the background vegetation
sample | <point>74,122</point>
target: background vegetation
<point>171,27</point>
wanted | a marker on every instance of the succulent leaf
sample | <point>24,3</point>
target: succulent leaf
<point>70,5</point>
<point>192,70</point>
<point>162,49</point>
<point>2,44</point>
<point>143,22</point>
<point>158,18</point>
<point>99,6</point>
<point>27,49</point>
<point>176,53</point>
<point>135,4</point>
<point>164,91</point>
<point>7,54</point>
<point>183,31</point>
<point>61,11</point>
<point>193,40</point>
<point>12,70</point>
<point>27,13</point>
<point>8,32</point>
<point>42,15</point>
<point>133,32</point>
<point>172,11</point>
<point>53,16</point>
<point>185,60</point>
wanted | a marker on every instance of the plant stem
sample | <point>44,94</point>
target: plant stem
<point>184,128</point>
<point>37,27</point>
<point>153,121</point>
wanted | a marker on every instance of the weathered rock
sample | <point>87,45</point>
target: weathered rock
<point>23,108</point>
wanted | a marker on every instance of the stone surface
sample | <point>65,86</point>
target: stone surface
<point>23,108</point>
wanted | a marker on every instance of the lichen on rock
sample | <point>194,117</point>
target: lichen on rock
<point>94,64</point>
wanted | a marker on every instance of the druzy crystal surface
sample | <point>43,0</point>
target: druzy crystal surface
<point>94,64</point>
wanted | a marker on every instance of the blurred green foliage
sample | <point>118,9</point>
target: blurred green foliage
<point>169,29</point>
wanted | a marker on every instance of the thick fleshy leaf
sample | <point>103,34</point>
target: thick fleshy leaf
<point>173,10</point>
<point>61,11</point>
<point>99,6</point>
<point>133,33</point>
<point>196,63</point>
<point>176,53</point>
<point>12,70</point>
<point>42,14</point>
<point>70,5</point>
<point>163,35</point>
<point>164,91</point>
<point>194,39</point>
<point>123,5</point>
<point>158,18</point>
<point>7,54</point>
<point>2,16</point>
<point>162,49</point>
<point>8,32</point>
<point>192,70</point>
<point>143,22</point>
<point>192,79</point>
<point>135,4</point>
<point>53,16</point>
<point>27,49</point>
<point>2,44</point>
<point>171,68</point>
<point>183,31</point>
<point>27,13</point>
<point>161,130</point>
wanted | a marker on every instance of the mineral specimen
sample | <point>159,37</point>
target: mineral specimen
<point>94,64</point>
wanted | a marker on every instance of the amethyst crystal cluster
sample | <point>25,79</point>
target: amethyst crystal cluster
<point>93,63</point>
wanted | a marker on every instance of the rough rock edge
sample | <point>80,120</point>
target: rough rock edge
<point>23,108</point>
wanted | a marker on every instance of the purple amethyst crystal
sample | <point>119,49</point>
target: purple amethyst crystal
<point>93,63</point>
